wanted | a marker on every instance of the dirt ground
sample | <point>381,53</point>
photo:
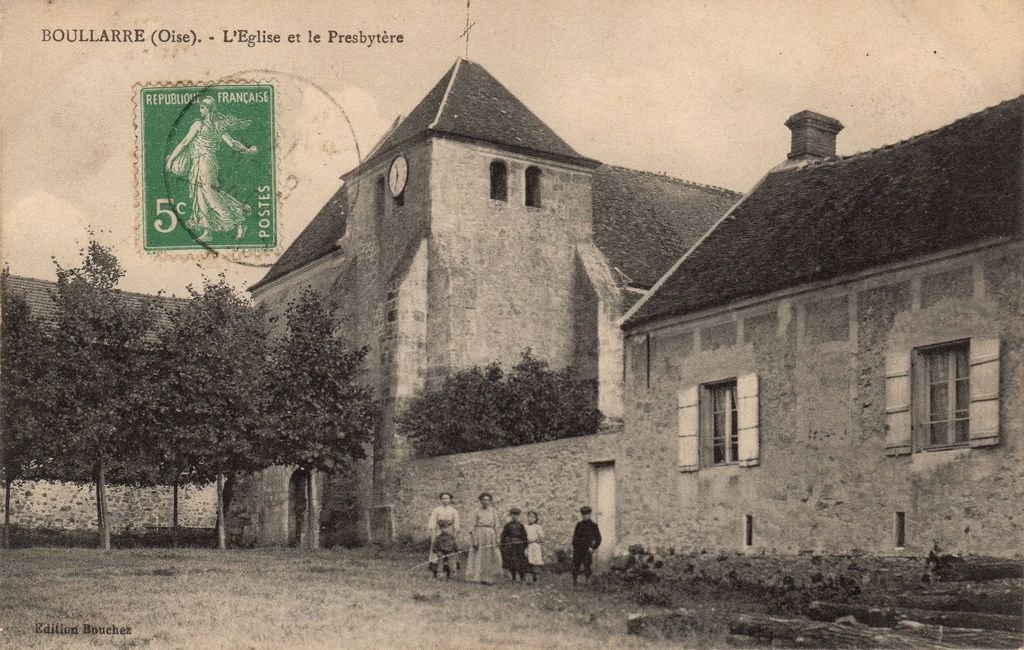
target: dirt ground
<point>282,599</point>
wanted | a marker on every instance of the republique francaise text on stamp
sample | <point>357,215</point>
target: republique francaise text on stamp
<point>207,167</point>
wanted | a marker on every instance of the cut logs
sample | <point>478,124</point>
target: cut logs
<point>954,568</point>
<point>672,624</point>
<point>964,598</point>
<point>962,636</point>
<point>799,632</point>
<point>890,616</point>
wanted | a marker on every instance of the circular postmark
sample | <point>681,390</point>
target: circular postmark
<point>231,155</point>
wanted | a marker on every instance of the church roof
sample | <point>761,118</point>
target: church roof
<point>39,294</point>
<point>643,222</point>
<point>957,185</point>
<point>469,103</point>
<point>319,238</point>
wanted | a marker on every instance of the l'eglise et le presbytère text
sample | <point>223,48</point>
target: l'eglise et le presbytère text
<point>248,37</point>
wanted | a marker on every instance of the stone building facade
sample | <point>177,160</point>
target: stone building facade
<point>470,233</point>
<point>838,365</point>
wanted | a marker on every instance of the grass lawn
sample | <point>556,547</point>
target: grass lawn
<point>283,599</point>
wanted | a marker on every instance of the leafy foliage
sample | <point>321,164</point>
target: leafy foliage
<point>208,372</point>
<point>24,401</point>
<point>319,415</point>
<point>485,408</point>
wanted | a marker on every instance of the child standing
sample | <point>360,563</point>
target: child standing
<point>585,540</point>
<point>534,544</point>
<point>513,546</point>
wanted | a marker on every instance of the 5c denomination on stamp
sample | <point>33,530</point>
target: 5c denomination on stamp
<point>207,167</point>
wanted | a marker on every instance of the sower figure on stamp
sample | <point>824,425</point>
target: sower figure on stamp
<point>442,527</point>
<point>585,540</point>
<point>195,158</point>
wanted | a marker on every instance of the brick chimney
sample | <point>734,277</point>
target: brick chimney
<point>814,135</point>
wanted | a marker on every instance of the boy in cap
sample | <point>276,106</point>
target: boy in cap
<point>585,540</point>
<point>513,547</point>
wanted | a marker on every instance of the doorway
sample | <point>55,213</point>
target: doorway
<point>297,509</point>
<point>602,494</point>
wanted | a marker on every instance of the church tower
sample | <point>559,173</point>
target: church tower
<point>470,233</point>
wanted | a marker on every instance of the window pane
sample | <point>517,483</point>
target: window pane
<point>937,434</point>
<point>938,401</point>
<point>963,395</point>
<point>962,430</point>
<point>962,364</point>
<point>938,367</point>
<point>719,426</point>
<point>719,451</point>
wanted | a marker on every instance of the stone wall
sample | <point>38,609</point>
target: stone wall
<point>554,478</point>
<point>72,506</point>
<point>510,268</point>
<point>824,481</point>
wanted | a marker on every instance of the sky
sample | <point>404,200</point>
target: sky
<point>697,90</point>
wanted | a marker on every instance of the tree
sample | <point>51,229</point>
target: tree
<point>210,408</point>
<point>24,404</point>
<point>97,374</point>
<point>485,408</point>
<point>318,415</point>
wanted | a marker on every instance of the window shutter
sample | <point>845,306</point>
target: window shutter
<point>749,422</point>
<point>688,430</point>
<point>897,403</point>
<point>984,380</point>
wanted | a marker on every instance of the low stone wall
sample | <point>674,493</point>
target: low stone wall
<point>72,506</point>
<point>553,478</point>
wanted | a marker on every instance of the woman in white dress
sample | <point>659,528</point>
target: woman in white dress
<point>484,562</point>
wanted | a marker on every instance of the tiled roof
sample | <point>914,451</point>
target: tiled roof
<point>39,296</point>
<point>940,190</point>
<point>643,222</point>
<point>319,238</point>
<point>469,103</point>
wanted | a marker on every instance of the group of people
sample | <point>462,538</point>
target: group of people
<point>518,549</point>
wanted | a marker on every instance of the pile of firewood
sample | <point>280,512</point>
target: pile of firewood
<point>977,603</point>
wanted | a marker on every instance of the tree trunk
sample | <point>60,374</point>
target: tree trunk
<point>889,616</point>
<point>312,512</point>
<point>99,505</point>
<point>221,538</point>
<point>101,489</point>
<point>7,512</point>
<point>174,515</point>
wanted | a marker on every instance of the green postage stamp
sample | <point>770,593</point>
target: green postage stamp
<point>207,167</point>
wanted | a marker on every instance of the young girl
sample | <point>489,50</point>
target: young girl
<point>534,545</point>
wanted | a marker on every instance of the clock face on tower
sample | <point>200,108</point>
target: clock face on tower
<point>398,175</point>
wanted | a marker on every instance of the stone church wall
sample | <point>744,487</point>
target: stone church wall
<point>72,506</point>
<point>825,482</point>
<point>510,268</point>
<point>553,478</point>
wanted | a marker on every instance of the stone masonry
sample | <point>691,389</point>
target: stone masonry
<point>72,506</point>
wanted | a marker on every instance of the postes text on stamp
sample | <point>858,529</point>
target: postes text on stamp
<point>207,167</point>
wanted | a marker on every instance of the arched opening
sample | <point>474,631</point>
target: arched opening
<point>499,181</point>
<point>533,187</point>
<point>297,508</point>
